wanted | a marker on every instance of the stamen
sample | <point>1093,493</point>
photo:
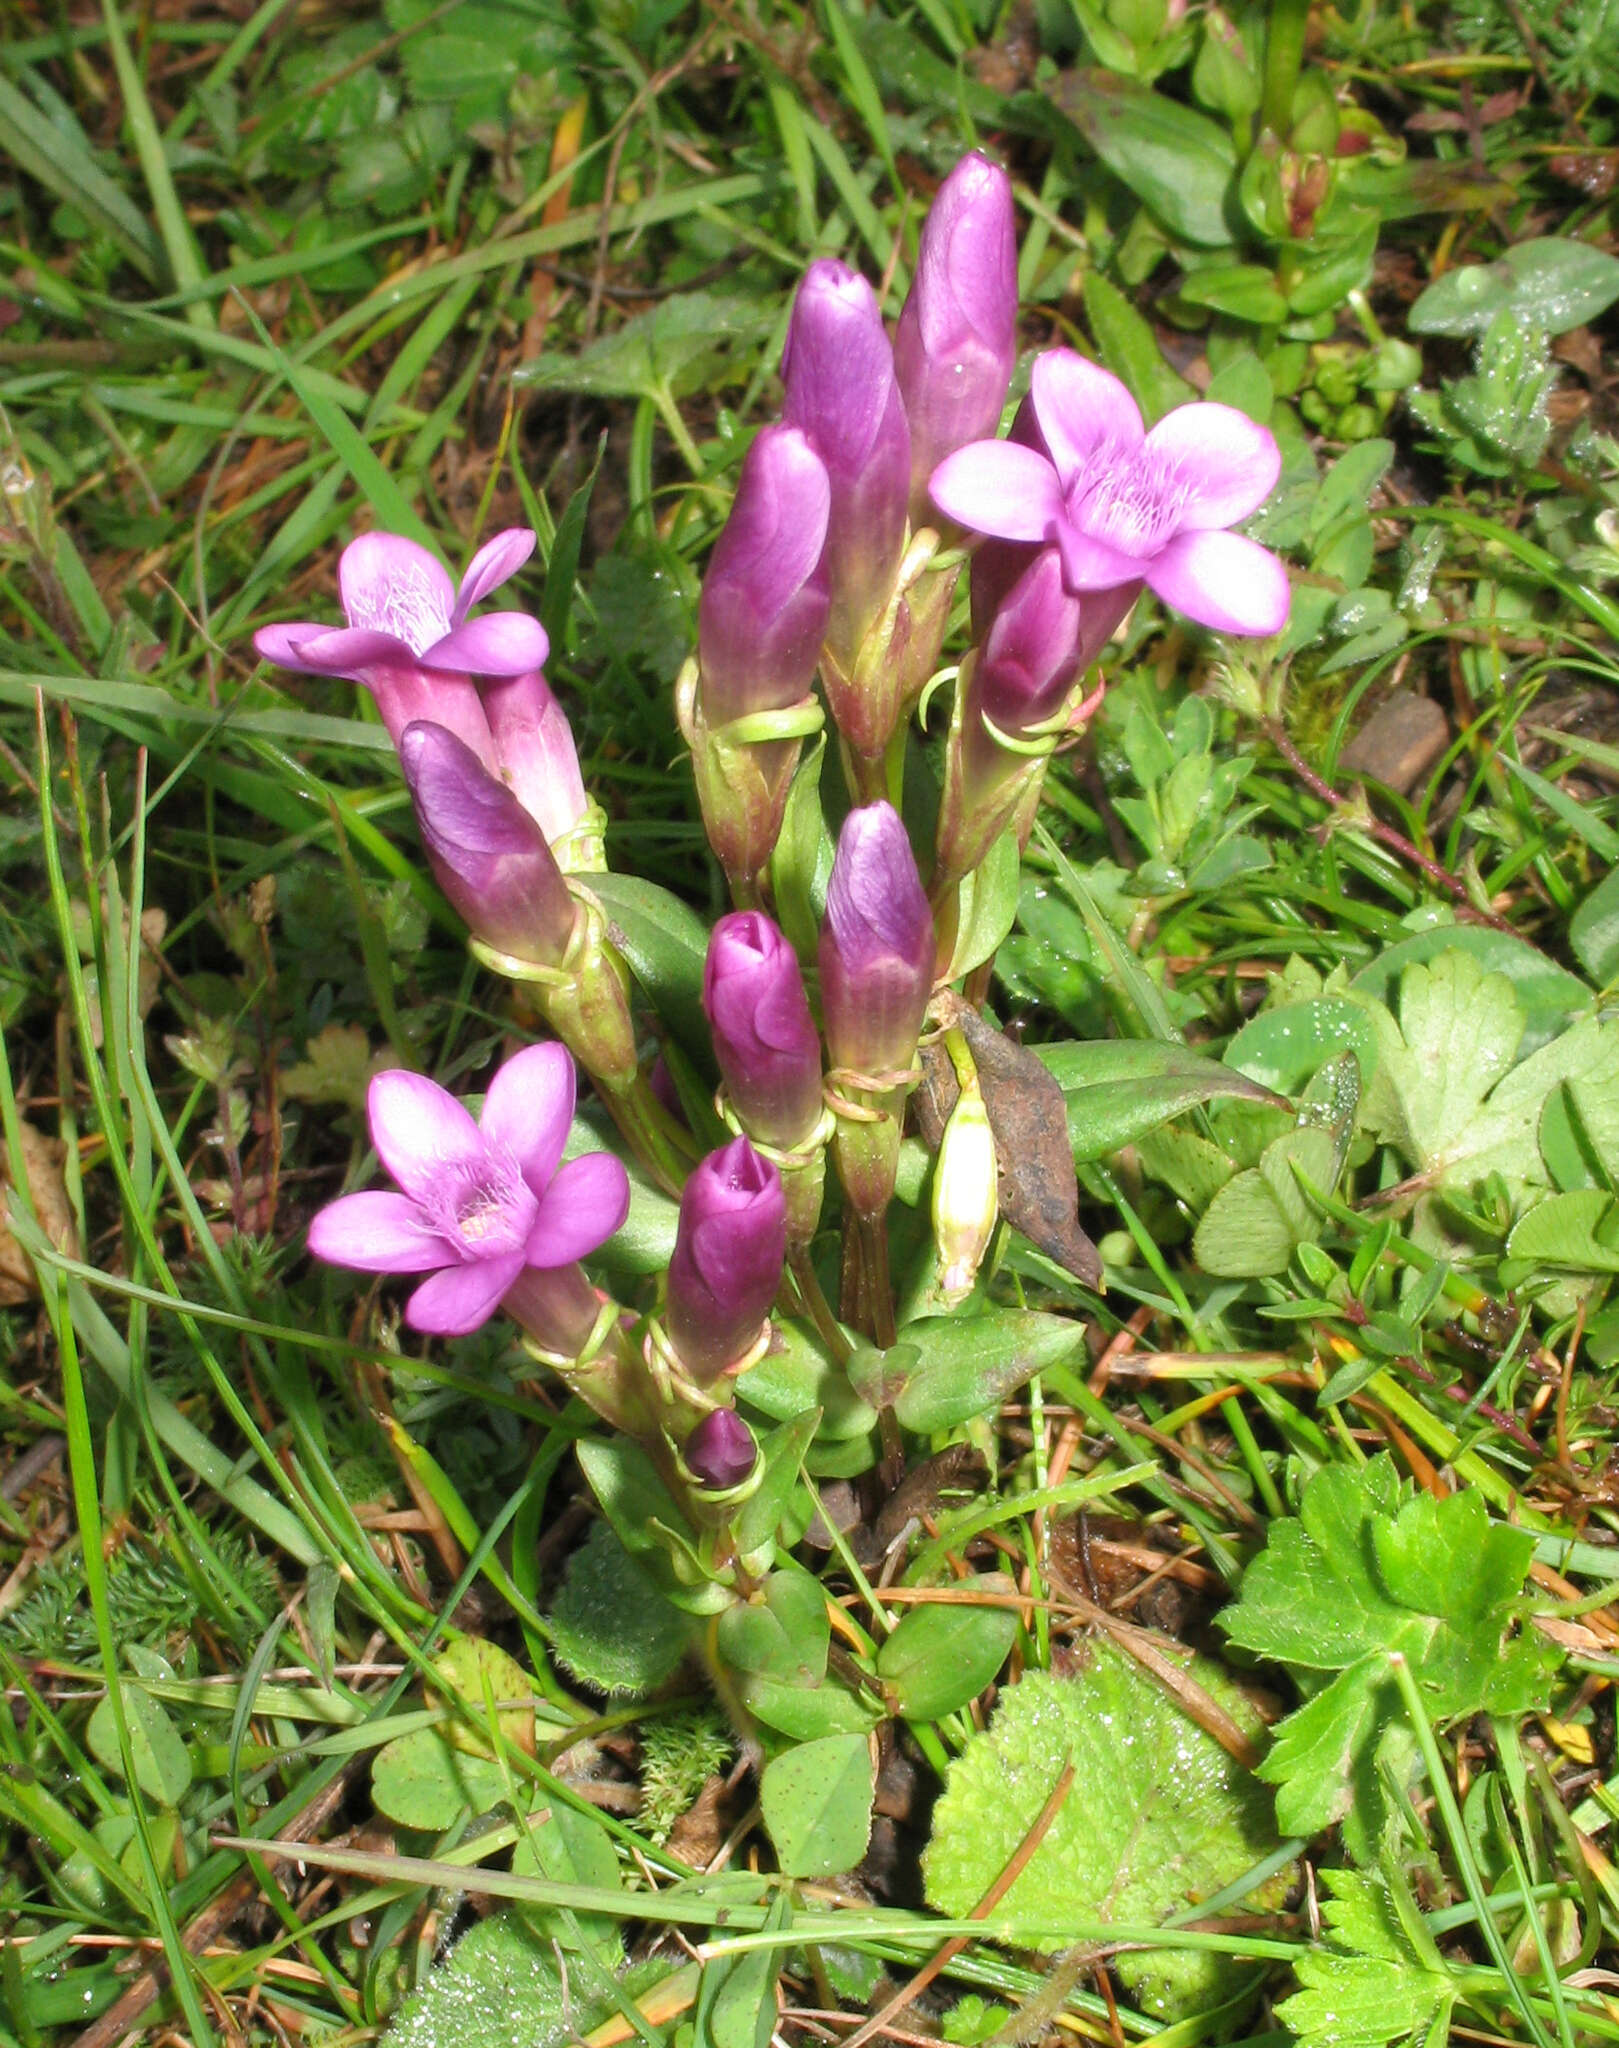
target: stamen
<point>407,605</point>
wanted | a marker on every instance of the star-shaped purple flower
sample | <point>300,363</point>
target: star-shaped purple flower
<point>404,611</point>
<point>479,1202</point>
<point>1126,505</point>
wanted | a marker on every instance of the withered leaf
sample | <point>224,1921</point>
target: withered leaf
<point>1039,1192</point>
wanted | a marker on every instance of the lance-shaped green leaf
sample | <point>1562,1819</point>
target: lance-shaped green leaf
<point>968,1365</point>
<point>816,1802</point>
<point>1177,162</point>
<point>665,943</point>
<point>1118,1089</point>
<point>941,1656</point>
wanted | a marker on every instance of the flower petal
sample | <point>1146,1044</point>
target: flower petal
<point>282,644</point>
<point>494,563</point>
<point>1227,462</point>
<point>462,1298</point>
<point>498,644</point>
<point>1082,410</point>
<point>1224,581</point>
<point>580,1210</point>
<point>998,487</point>
<point>330,650</point>
<point>419,1131</point>
<point>1090,564</point>
<point>529,1109</point>
<point>378,1232</point>
<point>387,581</point>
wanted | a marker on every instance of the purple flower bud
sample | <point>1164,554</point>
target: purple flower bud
<point>956,341</point>
<point>877,945</point>
<point>1031,653</point>
<point>840,389</point>
<point>720,1453</point>
<point>730,1245</point>
<point>535,752</point>
<point>763,612</point>
<point>764,1038</point>
<point>488,854</point>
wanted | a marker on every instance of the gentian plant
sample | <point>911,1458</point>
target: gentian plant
<point>830,1297</point>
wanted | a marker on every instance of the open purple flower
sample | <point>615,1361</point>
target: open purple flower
<point>479,1203</point>
<point>1123,504</point>
<point>403,609</point>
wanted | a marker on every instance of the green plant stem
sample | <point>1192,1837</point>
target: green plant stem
<point>1285,25</point>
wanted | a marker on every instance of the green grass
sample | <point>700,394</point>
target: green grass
<point>280,275</point>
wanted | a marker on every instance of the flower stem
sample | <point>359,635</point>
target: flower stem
<point>1284,53</point>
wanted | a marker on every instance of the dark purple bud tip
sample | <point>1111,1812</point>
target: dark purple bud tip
<point>720,1453</point>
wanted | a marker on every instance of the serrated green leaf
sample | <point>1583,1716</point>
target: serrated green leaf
<point>1157,1814</point>
<point>1366,1569</point>
<point>1368,1983</point>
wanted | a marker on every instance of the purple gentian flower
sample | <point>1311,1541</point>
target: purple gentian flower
<point>877,946</point>
<point>479,1202</point>
<point>764,1038</point>
<point>725,1271</point>
<point>720,1453</point>
<point>1123,504</point>
<point>839,388</point>
<point>956,340</point>
<point>403,611</point>
<point>488,852</point>
<point>763,611</point>
<point>535,753</point>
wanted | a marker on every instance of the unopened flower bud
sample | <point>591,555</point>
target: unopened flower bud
<point>720,1451</point>
<point>956,340</point>
<point>876,950</point>
<point>763,610</point>
<point>730,1246</point>
<point>764,1037</point>
<point>535,753</point>
<point>488,854</point>
<point>966,1201</point>
<point>840,389</point>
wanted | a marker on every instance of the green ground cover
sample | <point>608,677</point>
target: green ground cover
<point>1274,1698</point>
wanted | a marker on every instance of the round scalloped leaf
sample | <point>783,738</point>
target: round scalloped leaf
<point>1158,1817</point>
<point>610,1625</point>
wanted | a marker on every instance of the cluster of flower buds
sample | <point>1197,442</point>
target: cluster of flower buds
<point>826,559</point>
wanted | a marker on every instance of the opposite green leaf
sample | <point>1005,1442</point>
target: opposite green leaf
<point>816,1802</point>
